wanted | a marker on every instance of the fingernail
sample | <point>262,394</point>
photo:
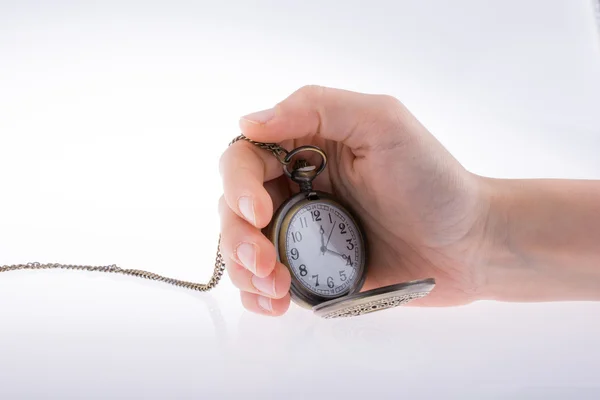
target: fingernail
<point>246,207</point>
<point>264,285</point>
<point>265,303</point>
<point>260,117</point>
<point>246,254</point>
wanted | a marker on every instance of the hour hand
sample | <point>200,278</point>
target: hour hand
<point>322,232</point>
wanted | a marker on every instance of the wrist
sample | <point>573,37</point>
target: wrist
<point>504,269</point>
<point>541,240</point>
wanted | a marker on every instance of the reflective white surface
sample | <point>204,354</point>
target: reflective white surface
<point>112,119</point>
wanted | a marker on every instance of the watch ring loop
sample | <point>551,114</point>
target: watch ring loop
<point>300,149</point>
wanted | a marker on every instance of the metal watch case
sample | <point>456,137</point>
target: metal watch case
<point>277,230</point>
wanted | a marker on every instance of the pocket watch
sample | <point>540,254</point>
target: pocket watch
<point>316,237</point>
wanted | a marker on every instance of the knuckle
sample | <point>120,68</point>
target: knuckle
<point>228,232</point>
<point>241,156</point>
<point>236,274</point>
<point>311,92</point>
<point>389,112</point>
<point>389,103</point>
<point>223,206</point>
<point>229,239</point>
<point>226,247</point>
<point>230,156</point>
<point>223,159</point>
<point>248,300</point>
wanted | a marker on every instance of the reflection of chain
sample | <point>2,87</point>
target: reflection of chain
<point>279,152</point>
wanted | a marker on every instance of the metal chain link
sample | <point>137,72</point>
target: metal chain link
<point>279,152</point>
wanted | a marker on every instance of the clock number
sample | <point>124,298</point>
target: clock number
<point>330,282</point>
<point>343,276</point>
<point>295,254</point>
<point>297,236</point>
<point>303,271</point>
<point>350,244</point>
<point>317,278</point>
<point>343,229</point>
<point>303,222</point>
<point>316,215</point>
<point>330,220</point>
<point>348,260</point>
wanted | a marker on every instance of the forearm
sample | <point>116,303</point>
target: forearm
<point>545,240</point>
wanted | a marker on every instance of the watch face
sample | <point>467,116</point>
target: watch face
<point>324,249</point>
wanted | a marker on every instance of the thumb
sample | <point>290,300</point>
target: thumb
<point>356,119</point>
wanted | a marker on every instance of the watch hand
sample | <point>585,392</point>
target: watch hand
<point>345,257</point>
<point>322,232</point>
<point>332,228</point>
<point>336,253</point>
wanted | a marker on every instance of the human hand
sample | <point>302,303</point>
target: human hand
<point>423,213</point>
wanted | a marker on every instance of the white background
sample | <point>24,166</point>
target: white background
<point>113,116</point>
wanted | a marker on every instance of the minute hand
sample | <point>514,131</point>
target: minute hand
<point>345,257</point>
<point>329,238</point>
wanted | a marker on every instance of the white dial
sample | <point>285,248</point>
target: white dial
<point>323,249</point>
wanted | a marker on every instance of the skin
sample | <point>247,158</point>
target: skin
<point>423,213</point>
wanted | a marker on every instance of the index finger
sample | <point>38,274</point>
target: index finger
<point>244,168</point>
<point>333,114</point>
